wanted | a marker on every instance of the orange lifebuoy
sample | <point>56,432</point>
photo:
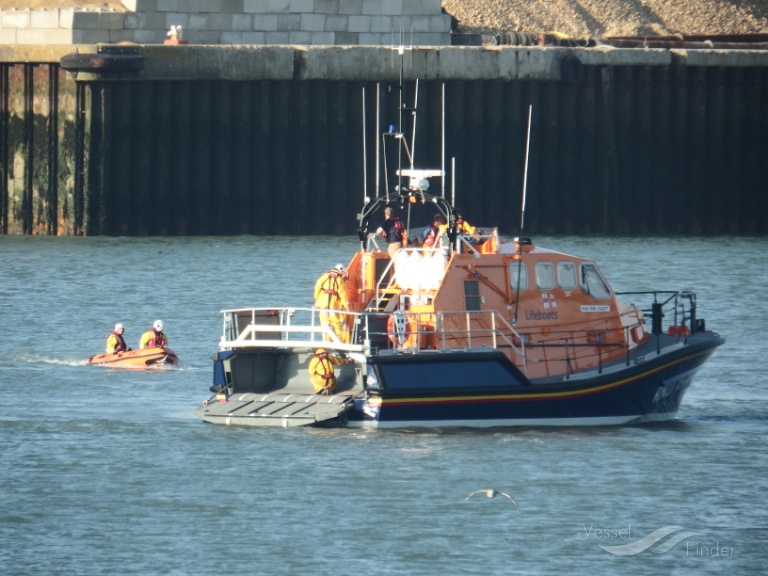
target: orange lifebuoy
<point>402,331</point>
<point>679,331</point>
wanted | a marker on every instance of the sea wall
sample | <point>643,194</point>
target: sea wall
<point>255,22</point>
<point>269,140</point>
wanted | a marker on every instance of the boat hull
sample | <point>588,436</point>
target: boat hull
<point>457,389</point>
<point>644,392</point>
<point>143,359</point>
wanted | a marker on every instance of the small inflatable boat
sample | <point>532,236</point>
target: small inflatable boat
<point>154,357</point>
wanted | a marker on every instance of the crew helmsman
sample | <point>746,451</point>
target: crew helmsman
<point>331,293</point>
<point>115,341</point>
<point>321,371</point>
<point>154,336</point>
<point>462,226</point>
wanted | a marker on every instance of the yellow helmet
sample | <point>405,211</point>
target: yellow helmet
<point>320,351</point>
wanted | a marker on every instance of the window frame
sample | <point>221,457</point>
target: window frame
<point>584,285</point>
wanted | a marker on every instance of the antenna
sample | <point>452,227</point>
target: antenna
<point>413,126</point>
<point>378,143</point>
<point>442,147</point>
<point>525,171</point>
<point>400,105</point>
<point>453,181</point>
<point>522,216</point>
<point>365,152</point>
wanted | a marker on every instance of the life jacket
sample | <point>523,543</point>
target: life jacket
<point>330,291</point>
<point>158,339</point>
<point>429,239</point>
<point>395,230</point>
<point>331,284</point>
<point>121,345</point>
<point>325,369</point>
<point>322,375</point>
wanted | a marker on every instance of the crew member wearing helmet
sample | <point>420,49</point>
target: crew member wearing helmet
<point>321,371</point>
<point>331,293</point>
<point>115,341</point>
<point>154,336</point>
<point>464,228</point>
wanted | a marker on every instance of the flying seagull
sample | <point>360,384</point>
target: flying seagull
<point>491,493</point>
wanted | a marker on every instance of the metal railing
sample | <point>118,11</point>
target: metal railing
<point>683,310</point>
<point>313,327</point>
<point>283,328</point>
<point>405,331</point>
<point>394,274</point>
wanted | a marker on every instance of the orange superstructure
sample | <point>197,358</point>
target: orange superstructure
<point>558,312</point>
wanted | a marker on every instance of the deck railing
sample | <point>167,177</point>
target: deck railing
<point>414,332</point>
<point>366,332</point>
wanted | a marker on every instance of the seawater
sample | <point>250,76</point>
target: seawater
<point>109,472</point>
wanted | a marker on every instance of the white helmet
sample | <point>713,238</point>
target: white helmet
<point>339,267</point>
<point>118,327</point>
<point>158,325</point>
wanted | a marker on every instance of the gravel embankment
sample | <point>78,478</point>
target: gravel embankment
<point>598,18</point>
<point>577,18</point>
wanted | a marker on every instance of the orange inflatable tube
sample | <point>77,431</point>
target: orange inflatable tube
<point>137,359</point>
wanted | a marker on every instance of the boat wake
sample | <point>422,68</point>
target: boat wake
<point>29,359</point>
<point>45,360</point>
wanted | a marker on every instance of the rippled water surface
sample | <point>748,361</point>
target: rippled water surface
<point>109,472</point>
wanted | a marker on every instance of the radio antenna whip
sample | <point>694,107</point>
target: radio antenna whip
<point>522,216</point>
<point>525,171</point>
<point>365,151</point>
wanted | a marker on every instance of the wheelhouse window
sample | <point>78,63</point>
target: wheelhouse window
<point>593,283</point>
<point>472,294</point>
<point>545,276</point>
<point>566,275</point>
<point>518,276</point>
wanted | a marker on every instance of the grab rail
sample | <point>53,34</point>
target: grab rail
<point>421,331</point>
<point>305,328</point>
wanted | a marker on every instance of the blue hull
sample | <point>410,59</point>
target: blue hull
<point>439,392</point>
<point>454,389</point>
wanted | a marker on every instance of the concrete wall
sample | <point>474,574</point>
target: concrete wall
<point>377,63</point>
<point>260,140</point>
<point>259,22</point>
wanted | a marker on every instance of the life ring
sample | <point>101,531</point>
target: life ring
<point>402,331</point>
<point>572,70</point>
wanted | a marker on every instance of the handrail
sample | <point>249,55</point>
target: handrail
<point>380,289</point>
<point>682,314</point>
<point>301,328</point>
<point>313,333</point>
<point>467,240</point>
<point>422,332</point>
<point>499,329</point>
<point>492,331</point>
